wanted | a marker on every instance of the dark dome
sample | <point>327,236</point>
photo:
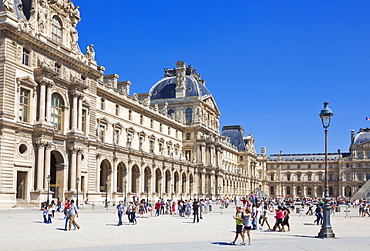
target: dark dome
<point>166,88</point>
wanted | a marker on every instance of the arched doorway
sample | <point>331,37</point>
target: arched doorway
<point>176,183</point>
<point>135,179</point>
<point>299,192</point>
<point>57,174</point>
<point>347,191</point>
<point>168,182</point>
<point>105,175</point>
<point>183,184</point>
<point>319,191</point>
<point>147,176</point>
<point>121,178</point>
<point>191,184</point>
<point>158,177</point>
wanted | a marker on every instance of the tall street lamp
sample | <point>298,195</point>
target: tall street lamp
<point>48,178</point>
<point>326,228</point>
<point>78,182</point>
<point>160,190</point>
<point>106,193</point>
<point>125,192</point>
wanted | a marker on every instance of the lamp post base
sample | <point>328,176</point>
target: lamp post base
<point>326,233</point>
<point>326,229</point>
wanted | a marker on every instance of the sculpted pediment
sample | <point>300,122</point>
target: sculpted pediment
<point>211,103</point>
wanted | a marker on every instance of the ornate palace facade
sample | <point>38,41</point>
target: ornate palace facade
<point>66,125</point>
<point>302,175</point>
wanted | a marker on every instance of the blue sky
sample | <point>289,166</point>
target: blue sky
<point>269,64</point>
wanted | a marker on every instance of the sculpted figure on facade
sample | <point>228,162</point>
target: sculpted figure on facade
<point>90,53</point>
<point>42,16</point>
<point>7,5</point>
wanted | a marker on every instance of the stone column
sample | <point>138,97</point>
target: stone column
<point>74,112</point>
<point>48,102</point>
<point>47,164</point>
<point>73,169</point>
<point>40,165</point>
<point>97,184</point>
<point>79,122</point>
<point>42,101</point>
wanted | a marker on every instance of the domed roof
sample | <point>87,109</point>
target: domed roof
<point>362,136</point>
<point>166,87</point>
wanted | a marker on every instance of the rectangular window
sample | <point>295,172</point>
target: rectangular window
<point>320,177</point>
<point>330,165</point>
<point>330,177</point>
<point>288,177</point>
<point>187,136</point>
<point>359,176</point>
<point>348,177</point>
<point>117,110</point>
<point>320,166</point>
<point>83,120</point>
<point>309,190</point>
<point>309,166</point>
<point>141,119</point>
<point>309,177</point>
<point>298,166</point>
<point>151,123</point>
<point>272,177</point>
<point>169,131</point>
<point>24,102</point>
<point>298,177</point>
<point>288,167</point>
<point>26,57</point>
<point>241,158</point>
<point>129,115</point>
<point>57,68</point>
<point>368,176</point>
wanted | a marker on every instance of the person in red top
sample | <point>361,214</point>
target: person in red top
<point>157,208</point>
<point>244,202</point>
<point>279,219</point>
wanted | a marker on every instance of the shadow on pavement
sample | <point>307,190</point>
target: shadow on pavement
<point>222,243</point>
<point>60,229</point>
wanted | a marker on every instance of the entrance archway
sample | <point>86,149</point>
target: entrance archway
<point>135,179</point>
<point>348,191</point>
<point>56,174</point>
<point>147,176</point>
<point>105,175</point>
<point>319,192</point>
<point>121,178</point>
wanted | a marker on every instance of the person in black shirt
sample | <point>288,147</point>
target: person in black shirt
<point>196,211</point>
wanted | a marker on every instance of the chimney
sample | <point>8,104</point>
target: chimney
<point>352,136</point>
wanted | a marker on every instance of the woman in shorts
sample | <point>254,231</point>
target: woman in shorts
<point>247,224</point>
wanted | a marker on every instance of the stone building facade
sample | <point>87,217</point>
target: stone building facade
<point>303,175</point>
<point>66,125</point>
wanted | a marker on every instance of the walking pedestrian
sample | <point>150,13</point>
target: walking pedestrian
<point>265,218</point>
<point>239,225</point>
<point>247,224</point>
<point>157,208</point>
<point>196,211</point>
<point>120,207</point>
<point>72,214</point>
<point>133,213</point>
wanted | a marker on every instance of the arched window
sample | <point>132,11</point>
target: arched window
<point>56,30</point>
<point>188,115</point>
<point>57,111</point>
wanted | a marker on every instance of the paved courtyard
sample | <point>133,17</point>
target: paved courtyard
<point>22,229</point>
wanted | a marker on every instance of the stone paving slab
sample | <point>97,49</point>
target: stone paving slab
<point>24,230</point>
